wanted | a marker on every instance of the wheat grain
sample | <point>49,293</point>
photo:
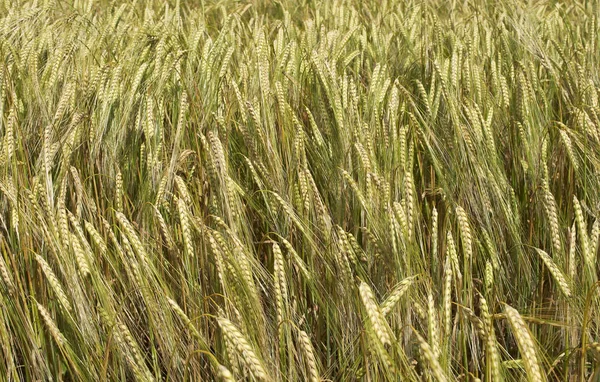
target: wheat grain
<point>185,227</point>
<point>447,298</point>
<point>281,294</point>
<point>526,344</point>
<point>556,273</point>
<point>54,283</point>
<point>465,231</point>
<point>309,355</point>
<point>225,374</point>
<point>243,348</point>
<point>80,256</point>
<point>432,326</point>
<point>550,206</point>
<point>429,355</point>
<point>493,367</point>
<point>51,325</point>
<point>376,318</point>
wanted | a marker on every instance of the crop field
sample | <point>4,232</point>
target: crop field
<point>335,190</point>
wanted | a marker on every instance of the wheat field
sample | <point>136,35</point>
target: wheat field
<point>339,190</point>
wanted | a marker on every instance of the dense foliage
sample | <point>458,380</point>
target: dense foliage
<point>299,190</point>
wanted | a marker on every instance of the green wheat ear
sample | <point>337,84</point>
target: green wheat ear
<point>299,190</point>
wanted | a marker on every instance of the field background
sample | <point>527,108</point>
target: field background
<point>299,190</point>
